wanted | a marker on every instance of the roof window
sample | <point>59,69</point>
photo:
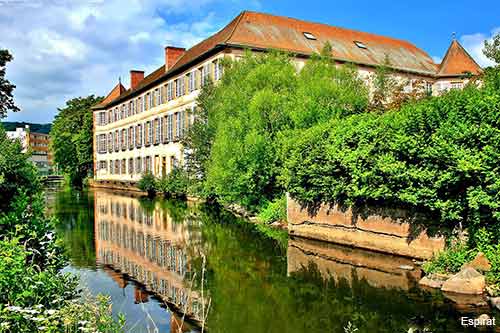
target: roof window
<point>359,44</point>
<point>309,35</point>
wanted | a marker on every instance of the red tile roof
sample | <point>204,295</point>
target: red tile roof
<point>457,62</point>
<point>117,91</point>
<point>264,31</point>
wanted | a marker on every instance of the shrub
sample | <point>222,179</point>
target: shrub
<point>274,211</point>
<point>450,260</point>
<point>439,155</point>
<point>148,184</point>
<point>174,184</point>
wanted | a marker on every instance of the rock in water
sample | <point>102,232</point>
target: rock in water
<point>480,262</point>
<point>495,301</point>
<point>429,281</point>
<point>467,281</point>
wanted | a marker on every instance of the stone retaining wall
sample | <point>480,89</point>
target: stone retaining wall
<point>370,231</point>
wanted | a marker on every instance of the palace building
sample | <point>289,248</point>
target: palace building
<point>139,129</point>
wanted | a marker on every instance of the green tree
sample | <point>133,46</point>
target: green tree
<point>16,171</point>
<point>492,49</point>
<point>6,88</point>
<point>244,122</point>
<point>72,137</point>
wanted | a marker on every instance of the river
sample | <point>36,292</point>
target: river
<point>170,265</point>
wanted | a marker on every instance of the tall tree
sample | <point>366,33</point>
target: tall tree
<point>6,88</point>
<point>492,49</point>
<point>72,134</point>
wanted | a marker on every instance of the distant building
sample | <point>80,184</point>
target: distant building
<point>139,129</point>
<point>37,144</point>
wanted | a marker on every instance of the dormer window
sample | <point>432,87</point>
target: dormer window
<point>359,44</point>
<point>309,35</point>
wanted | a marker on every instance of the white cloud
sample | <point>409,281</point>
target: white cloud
<point>65,49</point>
<point>436,59</point>
<point>474,44</point>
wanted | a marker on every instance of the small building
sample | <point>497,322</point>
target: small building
<point>139,129</point>
<point>37,144</point>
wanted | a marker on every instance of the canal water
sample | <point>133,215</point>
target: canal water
<point>172,266</point>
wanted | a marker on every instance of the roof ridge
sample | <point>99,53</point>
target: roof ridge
<point>337,27</point>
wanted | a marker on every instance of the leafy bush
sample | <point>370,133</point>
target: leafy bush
<point>174,184</point>
<point>439,155</point>
<point>235,147</point>
<point>86,315</point>
<point>450,260</point>
<point>148,184</point>
<point>485,242</point>
<point>274,211</point>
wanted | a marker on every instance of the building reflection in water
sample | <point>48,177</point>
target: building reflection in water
<point>147,246</point>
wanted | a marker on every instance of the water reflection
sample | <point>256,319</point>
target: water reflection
<point>143,242</point>
<point>148,256</point>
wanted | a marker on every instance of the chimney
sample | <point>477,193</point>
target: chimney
<point>172,54</point>
<point>135,78</point>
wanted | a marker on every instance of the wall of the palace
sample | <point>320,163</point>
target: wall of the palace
<point>164,156</point>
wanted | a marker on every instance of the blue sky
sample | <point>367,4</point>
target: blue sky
<point>65,49</point>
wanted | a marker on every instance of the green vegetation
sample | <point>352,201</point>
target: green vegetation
<point>148,183</point>
<point>235,148</point>
<point>35,296</point>
<point>274,211</point>
<point>174,184</point>
<point>72,135</point>
<point>6,88</point>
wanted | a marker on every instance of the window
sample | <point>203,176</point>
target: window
<point>170,127</point>
<point>309,35</point>
<point>138,135</point>
<point>102,118</point>
<point>192,81</point>
<point>179,85</point>
<point>131,166</point>
<point>110,142</point>
<point>117,167</point>
<point>457,85</point>
<point>177,125</point>
<point>131,137</point>
<point>122,113</point>
<point>147,101</point>
<point>217,70</point>
<point>131,108</point>
<point>164,129</point>
<point>158,97</point>
<point>124,139</point>
<point>157,130</point>
<point>101,143</point>
<point>147,133</point>
<point>152,99</point>
<point>103,165</point>
<point>143,103</point>
<point>148,163</point>
<point>359,44</point>
<point>205,74</point>
<point>428,88</point>
<point>111,166</point>
<point>138,165</point>
<point>170,91</point>
<point>124,170</point>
